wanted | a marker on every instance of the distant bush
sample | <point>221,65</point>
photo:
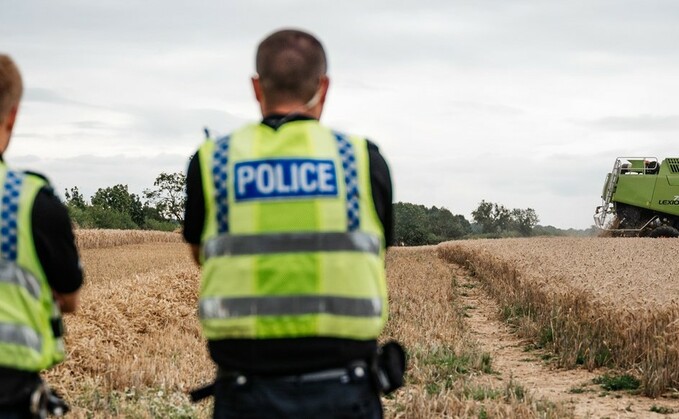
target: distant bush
<point>98,217</point>
<point>81,217</point>
<point>110,218</point>
<point>153,224</point>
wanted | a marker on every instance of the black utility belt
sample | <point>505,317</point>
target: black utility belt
<point>355,370</point>
<point>386,370</point>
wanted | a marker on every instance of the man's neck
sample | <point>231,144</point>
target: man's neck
<point>276,120</point>
<point>293,108</point>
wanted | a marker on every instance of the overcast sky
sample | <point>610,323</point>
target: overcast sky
<point>523,103</point>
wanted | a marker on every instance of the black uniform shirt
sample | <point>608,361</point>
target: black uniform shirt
<point>288,355</point>
<point>56,250</point>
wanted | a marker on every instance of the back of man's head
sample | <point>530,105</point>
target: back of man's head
<point>11,87</point>
<point>290,64</point>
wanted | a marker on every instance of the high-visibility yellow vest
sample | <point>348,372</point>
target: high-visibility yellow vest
<point>27,308</point>
<point>292,244</point>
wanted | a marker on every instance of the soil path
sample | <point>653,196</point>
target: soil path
<point>511,360</point>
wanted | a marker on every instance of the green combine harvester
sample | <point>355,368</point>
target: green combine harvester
<point>641,198</point>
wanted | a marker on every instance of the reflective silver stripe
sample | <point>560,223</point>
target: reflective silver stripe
<point>228,308</point>
<point>258,244</point>
<point>10,272</point>
<point>20,335</point>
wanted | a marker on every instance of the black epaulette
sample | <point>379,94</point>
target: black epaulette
<point>40,175</point>
<point>48,187</point>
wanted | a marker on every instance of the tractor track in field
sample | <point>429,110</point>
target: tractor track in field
<point>511,360</point>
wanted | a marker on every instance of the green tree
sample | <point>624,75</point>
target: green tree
<point>168,197</point>
<point>463,228</point>
<point>502,217</point>
<point>524,220</point>
<point>492,218</point>
<point>74,198</point>
<point>118,198</point>
<point>496,219</point>
<point>416,225</point>
<point>446,226</point>
<point>483,216</point>
<point>410,224</point>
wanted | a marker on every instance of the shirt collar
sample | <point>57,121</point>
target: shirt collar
<point>276,120</point>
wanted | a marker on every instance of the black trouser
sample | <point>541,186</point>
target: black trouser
<point>15,393</point>
<point>20,392</point>
<point>15,412</point>
<point>329,396</point>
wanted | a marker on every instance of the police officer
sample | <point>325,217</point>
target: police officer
<point>290,221</point>
<point>40,273</point>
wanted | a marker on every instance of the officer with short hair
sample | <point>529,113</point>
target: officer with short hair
<point>290,221</point>
<point>40,273</point>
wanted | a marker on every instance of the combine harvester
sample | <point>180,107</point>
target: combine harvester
<point>641,198</point>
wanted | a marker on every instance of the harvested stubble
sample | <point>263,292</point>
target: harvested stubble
<point>427,317</point>
<point>596,301</point>
<point>97,239</point>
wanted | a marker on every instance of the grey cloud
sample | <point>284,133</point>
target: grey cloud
<point>634,123</point>
<point>172,124</point>
<point>50,96</point>
<point>525,33</point>
<point>399,47</point>
<point>493,108</point>
<point>154,127</point>
<point>26,135</point>
<point>90,172</point>
<point>39,94</point>
<point>92,125</point>
<point>554,178</point>
<point>357,84</point>
<point>572,182</point>
<point>532,33</point>
<point>158,23</point>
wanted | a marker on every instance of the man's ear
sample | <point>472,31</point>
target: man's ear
<point>325,84</point>
<point>257,87</point>
<point>8,123</point>
<point>6,127</point>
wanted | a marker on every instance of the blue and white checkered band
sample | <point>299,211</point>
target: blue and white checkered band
<point>346,151</point>
<point>220,160</point>
<point>9,214</point>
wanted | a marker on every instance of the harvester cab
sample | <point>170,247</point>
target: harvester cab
<point>640,198</point>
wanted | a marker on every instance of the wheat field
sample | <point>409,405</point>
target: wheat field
<point>98,239</point>
<point>595,302</point>
<point>135,347</point>
<point>427,316</point>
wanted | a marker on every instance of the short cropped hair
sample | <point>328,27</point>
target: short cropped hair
<point>11,87</point>
<point>290,64</point>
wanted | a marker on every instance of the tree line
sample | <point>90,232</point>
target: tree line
<point>159,208</point>
<point>162,208</point>
<point>416,225</point>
